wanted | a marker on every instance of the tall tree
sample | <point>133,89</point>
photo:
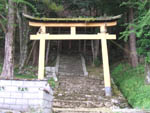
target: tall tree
<point>8,66</point>
<point>23,35</point>
<point>132,41</point>
<point>129,33</point>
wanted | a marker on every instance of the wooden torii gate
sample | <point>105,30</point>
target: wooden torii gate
<point>102,22</point>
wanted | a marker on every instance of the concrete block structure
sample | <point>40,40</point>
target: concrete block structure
<point>26,95</point>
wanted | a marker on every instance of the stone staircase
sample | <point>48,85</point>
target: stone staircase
<point>78,94</point>
<point>70,65</point>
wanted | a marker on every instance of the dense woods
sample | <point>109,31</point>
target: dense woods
<point>133,32</point>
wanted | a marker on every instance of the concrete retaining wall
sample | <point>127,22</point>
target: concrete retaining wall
<point>24,95</point>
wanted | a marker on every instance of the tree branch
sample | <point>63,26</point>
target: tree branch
<point>3,27</point>
<point>3,17</point>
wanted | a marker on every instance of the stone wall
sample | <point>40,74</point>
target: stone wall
<point>25,95</point>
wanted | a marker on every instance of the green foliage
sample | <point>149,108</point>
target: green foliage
<point>141,25</point>
<point>97,62</point>
<point>131,83</point>
<point>130,3</point>
<point>27,3</point>
<point>3,14</point>
<point>102,7</point>
<point>48,7</point>
<point>53,6</point>
<point>52,82</point>
<point>125,34</point>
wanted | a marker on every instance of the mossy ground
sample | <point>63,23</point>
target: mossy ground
<point>95,72</point>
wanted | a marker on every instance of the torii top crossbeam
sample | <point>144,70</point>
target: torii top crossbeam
<point>76,22</point>
<point>73,23</point>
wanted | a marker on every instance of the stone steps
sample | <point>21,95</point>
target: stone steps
<point>82,97</point>
<point>82,94</point>
<point>70,65</point>
<point>77,104</point>
<point>97,110</point>
<point>70,74</point>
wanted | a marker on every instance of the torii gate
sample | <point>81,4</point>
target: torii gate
<point>102,22</point>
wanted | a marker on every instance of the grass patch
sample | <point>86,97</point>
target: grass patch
<point>29,72</point>
<point>131,82</point>
<point>21,76</point>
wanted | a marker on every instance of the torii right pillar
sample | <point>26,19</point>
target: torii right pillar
<point>106,71</point>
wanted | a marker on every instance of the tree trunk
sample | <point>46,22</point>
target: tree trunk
<point>95,49</point>
<point>84,48</point>
<point>126,52</point>
<point>47,52</point>
<point>132,41</point>
<point>92,46</point>
<point>23,35</point>
<point>79,45</point>
<point>8,66</point>
<point>31,51</point>
<point>35,54</point>
<point>126,46</point>
<point>59,48</point>
<point>70,44</point>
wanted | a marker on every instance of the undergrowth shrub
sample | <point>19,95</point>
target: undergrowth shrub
<point>97,62</point>
<point>131,82</point>
<point>52,83</point>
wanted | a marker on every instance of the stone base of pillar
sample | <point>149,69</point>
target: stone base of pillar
<point>108,91</point>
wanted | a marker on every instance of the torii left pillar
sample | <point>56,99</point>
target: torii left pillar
<point>42,54</point>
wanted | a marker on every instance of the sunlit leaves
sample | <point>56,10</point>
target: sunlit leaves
<point>55,7</point>
<point>52,5</point>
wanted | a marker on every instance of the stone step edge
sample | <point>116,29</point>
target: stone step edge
<point>106,110</point>
<point>70,74</point>
<point>58,100</point>
<point>79,94</point>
